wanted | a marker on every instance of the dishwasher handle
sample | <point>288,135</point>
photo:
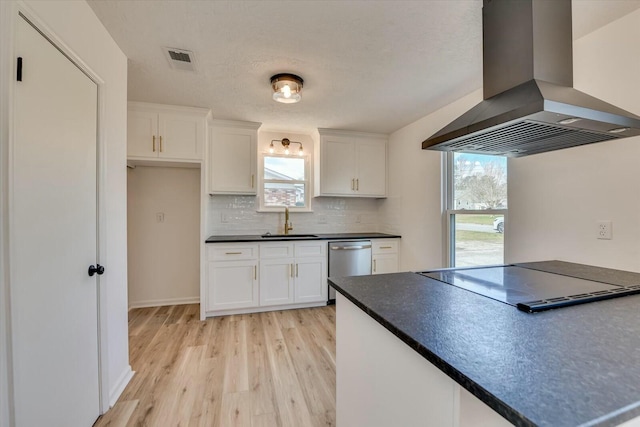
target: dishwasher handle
<point>349,248</point>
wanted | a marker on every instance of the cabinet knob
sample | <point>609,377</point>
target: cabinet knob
<point>97,269</point>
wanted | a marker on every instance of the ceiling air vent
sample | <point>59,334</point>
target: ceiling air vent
<point>180,59</point>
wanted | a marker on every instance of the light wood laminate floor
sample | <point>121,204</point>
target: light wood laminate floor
<point>265,369</point>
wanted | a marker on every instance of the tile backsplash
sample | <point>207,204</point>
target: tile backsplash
<point>227,215</point>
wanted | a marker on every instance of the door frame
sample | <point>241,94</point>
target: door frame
<point>9,13</point>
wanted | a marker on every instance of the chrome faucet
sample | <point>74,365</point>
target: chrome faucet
<point>288,226</point>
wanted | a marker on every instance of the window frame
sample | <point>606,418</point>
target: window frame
<point>306,182</point>
<point>449,211</point>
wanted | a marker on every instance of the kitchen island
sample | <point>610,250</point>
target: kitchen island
<point>415,351</point>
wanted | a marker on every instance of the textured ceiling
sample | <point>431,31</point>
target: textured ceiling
<point>367,65</point>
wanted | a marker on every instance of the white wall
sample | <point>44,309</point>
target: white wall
<point>77,27</point>
<point>227,215</point>
<point>163,257</point>
<point>6,47</point>
<point>414,206</point>
<point>555,199</point>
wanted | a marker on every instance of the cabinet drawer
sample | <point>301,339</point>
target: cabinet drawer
<point>310,249</point>
<point>276,250</point>
<point>384,246</point>
<point>231,252</point>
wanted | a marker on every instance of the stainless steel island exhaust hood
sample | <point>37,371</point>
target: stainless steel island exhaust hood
<point>529,103</point>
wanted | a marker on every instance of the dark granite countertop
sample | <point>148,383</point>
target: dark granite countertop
<point>293,237</point>
<point>573,366</point>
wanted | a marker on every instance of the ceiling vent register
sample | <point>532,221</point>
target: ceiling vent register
<point>180,59</point>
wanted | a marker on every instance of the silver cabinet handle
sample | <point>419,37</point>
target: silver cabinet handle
<point>357,183</point>
<point>374,265</point>
<point>233,253</point>
<point>385,247</point>
<point>349,248</point>
<point>154,143</point>
<point>255,272</point>
<point>161,144</point>
<point>252,180</point>
<point>296,270</point>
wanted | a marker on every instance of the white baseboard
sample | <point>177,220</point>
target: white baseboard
<point>122,382</point>
<point>161,302</point>
<point>264,308</point>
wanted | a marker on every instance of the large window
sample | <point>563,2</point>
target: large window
<point>476,200</point>
<point>285,182</point>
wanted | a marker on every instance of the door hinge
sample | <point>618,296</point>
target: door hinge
<point>19,70</point>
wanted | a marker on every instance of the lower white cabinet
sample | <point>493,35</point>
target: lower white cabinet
<point>258,277</point>
<point>384,256</point>
<point>276,282</point>
<point>232,284</point>
<point>232,277</point>
<point>311,279</point>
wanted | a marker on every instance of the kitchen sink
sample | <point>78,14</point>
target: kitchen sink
<point>279,236</point>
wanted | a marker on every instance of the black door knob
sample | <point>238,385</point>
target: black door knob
<point>99,269</point>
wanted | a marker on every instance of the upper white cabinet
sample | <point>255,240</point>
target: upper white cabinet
<point>350,164</point>
<point>233,157</point>
<point>165,133</point>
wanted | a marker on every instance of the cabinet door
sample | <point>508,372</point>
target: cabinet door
<point>311,279</point>
<point>232,284</point>
<point>182,136</point>
<point>142,134</point>
<point>372,168</point>
<point>384,263</point>
<point>337,166</point>
<point>232,165</point>
<point>276,281</point>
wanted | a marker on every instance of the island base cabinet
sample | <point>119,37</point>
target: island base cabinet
<point>232,284</point>
<point>383,382</point>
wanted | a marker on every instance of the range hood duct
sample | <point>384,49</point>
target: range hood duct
<point>529,103</point>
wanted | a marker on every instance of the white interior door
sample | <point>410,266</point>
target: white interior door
<point>53,239</point>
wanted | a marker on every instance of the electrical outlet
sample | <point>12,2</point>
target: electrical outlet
<point>605,230</point>
<point>160,217</point>
<point>322,219</point>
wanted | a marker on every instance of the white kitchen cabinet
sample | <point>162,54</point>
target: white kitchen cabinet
<point>276,281</point>
<point>158,132</point>
<point>352,164</point>
<point>276,273</point>
<point>311,279</point>
<point>232,277</point>
<point>252,277</point>
<point>299,278</point>
<point>232,157</point>
<point>384,256</point>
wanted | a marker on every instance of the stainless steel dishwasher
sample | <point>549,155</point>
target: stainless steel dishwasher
<point>349,258</point>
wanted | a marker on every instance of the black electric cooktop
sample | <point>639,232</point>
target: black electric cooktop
<point>529,290</point>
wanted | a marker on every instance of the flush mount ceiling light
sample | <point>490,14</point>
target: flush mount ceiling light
<point>286,88</point>
<point>285,143</point>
